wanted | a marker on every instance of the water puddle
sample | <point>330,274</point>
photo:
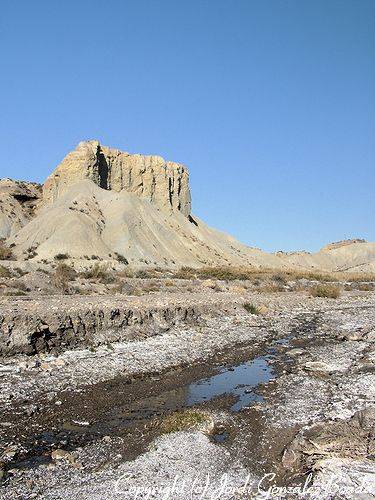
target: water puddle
<point>131,409</point>
<point>238,381</point>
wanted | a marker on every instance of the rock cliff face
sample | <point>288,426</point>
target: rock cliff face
<point>162,182</point>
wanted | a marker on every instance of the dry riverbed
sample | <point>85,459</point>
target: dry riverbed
<point>188,391</point>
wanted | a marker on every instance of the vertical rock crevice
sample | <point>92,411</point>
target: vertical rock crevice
<point>103,169</point>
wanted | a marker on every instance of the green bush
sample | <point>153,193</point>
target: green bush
<point>250,308</point>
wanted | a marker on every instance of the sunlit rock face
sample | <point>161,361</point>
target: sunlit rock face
<point>162,182</point>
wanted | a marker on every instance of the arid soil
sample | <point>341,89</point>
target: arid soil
<point>211,388</point>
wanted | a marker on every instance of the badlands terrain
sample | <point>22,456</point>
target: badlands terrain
<point>101,203</point>
<point>146,355</point>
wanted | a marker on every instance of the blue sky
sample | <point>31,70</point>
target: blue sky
<point>270,103</point>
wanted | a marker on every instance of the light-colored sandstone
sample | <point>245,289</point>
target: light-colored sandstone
<point>18,201</point>
<point>162,182</point>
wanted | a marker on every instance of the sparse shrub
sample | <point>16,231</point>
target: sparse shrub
<point>62,256</point>
<point>99,272</point>
<point>185,273</point>
<point>121,259</point>
<point>62,276</point>
<point>259,276</point>
<point>5,252</point>
<point>76,290</point>
<point>151,287</point>
<point>222,273</point>
<point>31,253</point>
<point>326,291</point>
<point>251,308</point>
<point>107,278</point>
<point>21,272</point>
<point>270,287</point>
<point>15,293</point>
<point>279,279</point>
<point>365,287</point>
<point>18,284</point>
<point>142,273</point>
<point>125,273</point>
<point>41,270</point>
<point>4,272</point>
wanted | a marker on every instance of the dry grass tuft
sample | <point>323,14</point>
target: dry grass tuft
<point>326,291</point>
<point>100,273</point>
<point>270,287</point>
<point>254,275</point>
<point>4,272</point>
<point>62,276</point>
<point>5,252</point>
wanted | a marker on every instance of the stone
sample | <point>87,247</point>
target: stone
<point>262,309</point>
<point>209,284</point>
<point>105,204</point>
<point>60,454</point>
<point>317,366</point>
<point>295,352</point>
<point>351,438</point>
<point>9,453</point>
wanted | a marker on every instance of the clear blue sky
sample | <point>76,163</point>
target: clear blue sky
<point>270,103</point>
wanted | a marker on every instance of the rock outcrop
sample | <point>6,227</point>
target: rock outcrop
<point>162,182</point>
<point>18,202</point>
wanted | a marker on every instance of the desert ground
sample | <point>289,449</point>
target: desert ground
<point>210,383</point>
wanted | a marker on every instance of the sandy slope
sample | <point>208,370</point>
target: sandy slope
<point>100,202</point>
<point>355,257</point>
<point>88,220</point>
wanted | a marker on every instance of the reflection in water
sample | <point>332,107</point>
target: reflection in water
<point>238,380</point>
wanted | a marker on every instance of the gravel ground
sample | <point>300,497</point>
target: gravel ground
<point>322,351</point>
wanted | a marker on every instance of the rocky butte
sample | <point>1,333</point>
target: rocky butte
<point>103,203</point>
<point>151,177</point>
